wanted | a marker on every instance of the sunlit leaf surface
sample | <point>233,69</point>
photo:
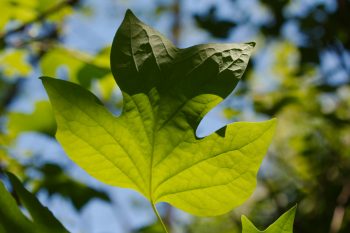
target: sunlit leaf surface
<point>282,225</point>
<point>152,146</point>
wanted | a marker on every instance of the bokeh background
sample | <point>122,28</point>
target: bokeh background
<point>299,73</point>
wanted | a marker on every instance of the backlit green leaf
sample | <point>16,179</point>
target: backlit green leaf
<point>152,146</point>
<point>41,215</point>
<point>11,217</point>
<point>13,220</point>
<point>282,225</point>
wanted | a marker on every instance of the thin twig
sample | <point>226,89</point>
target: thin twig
<point>339,211</point>
<point>176,27</point>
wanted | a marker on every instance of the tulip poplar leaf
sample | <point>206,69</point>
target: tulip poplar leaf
<point>152,146</point>
<point>282,225</point>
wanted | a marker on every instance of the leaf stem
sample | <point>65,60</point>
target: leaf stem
<point>158,217</point>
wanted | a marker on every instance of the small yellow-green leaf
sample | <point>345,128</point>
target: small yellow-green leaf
<point>13,63</point>
<point>81,67</point>
<point>282,225</point>
<point>16,10</point>
<point>152,147</point>
<point>40,120</point>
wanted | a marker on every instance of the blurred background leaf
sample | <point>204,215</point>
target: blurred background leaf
<point>13,220</point>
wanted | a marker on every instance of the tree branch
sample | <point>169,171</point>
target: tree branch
<point>339,211</point>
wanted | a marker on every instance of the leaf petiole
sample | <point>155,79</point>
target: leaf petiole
<point>159,218</point>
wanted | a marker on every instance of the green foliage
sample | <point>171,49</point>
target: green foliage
<point>22,11</point>
<point>306,86</point>
<point>309,161</point>
<point>283,224</point>
<point>13,220</point>
<point>152,147</point>
<point>29,32</point>
<point>315,164</point>
<point>81,67</point>
<point>55,182</point>
<point>18,10</point>
<point>40,120</point>
<point>13,63</point>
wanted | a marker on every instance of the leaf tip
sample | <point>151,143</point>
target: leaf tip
<point>251,43</point>
<point>273,120</point>
<point>129,15</point>
<point>15,182</point>
<point>271,123</point>
<point>243,218</point>
<point>294,209</point>
<point>129,12</point>
<point>44,78</point>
